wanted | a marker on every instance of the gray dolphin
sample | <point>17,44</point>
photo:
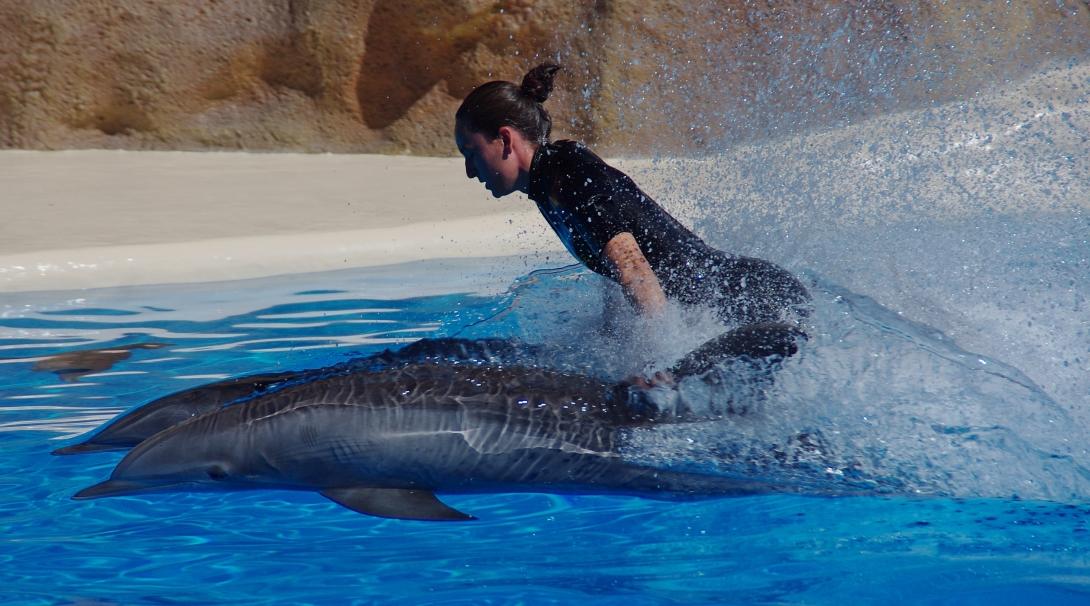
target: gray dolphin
<point>381,443</point>
<point>136,425</point>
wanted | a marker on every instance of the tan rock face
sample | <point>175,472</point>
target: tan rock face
<point>386,75</point>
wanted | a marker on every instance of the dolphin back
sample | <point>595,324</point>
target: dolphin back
<point>135,426</point>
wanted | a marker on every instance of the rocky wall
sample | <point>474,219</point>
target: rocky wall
<point>385,76</point>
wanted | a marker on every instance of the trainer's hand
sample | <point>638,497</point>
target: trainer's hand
<point>661,378</point>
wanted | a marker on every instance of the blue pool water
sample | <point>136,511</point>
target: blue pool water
<point>977,547</point>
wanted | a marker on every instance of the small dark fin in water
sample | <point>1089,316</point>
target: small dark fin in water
<point>109,488</point>
<point>754,341</point>
<point>397,503</point>
<point>87,447</point>
<point>453,350</point>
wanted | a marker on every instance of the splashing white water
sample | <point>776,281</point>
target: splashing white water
<point>971,217</point>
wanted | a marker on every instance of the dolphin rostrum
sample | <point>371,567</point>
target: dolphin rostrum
<point>382,443</point>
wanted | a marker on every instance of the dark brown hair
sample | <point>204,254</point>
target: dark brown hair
<point>501,103</point>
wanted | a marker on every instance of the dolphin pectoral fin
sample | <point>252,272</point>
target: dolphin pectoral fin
<point>398,503</point>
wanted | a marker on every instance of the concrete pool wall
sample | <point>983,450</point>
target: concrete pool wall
<point>86,219</point>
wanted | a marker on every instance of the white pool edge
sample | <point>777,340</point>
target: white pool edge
<point>81,219</point>
<point>239,258</point>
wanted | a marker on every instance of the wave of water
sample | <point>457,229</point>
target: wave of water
<point>897,406</point>
<point>971,217</point>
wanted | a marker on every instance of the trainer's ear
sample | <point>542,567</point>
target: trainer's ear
<point>507,135</point>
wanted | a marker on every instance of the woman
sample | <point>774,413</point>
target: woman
<point>607,222</point>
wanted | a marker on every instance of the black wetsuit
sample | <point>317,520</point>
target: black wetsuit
<point>588,202</point>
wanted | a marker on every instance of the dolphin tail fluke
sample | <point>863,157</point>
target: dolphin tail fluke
<point>398,503</point>
<point>86,447</point>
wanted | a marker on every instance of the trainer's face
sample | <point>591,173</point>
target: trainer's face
<point>490,161</point>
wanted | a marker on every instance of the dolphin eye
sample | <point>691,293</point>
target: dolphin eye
<point>216,472</point>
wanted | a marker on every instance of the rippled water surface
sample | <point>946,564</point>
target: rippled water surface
<point>277,547</point>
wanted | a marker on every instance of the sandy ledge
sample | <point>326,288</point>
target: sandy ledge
<point>88,219</point>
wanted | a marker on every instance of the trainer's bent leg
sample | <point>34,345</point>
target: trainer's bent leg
<point>754,341</point>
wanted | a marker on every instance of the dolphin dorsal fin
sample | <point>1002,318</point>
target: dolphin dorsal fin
<point>399,503</point>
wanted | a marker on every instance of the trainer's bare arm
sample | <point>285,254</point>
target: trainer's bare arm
<point>638,281</point>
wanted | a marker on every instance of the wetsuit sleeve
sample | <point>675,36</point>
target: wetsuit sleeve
<point>593,203</point>
<point>601,219</point>
<point>601,204</point>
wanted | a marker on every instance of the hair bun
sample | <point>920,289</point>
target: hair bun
<point>538,82</point>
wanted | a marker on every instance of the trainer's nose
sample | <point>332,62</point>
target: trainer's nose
<point>470,173</point>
